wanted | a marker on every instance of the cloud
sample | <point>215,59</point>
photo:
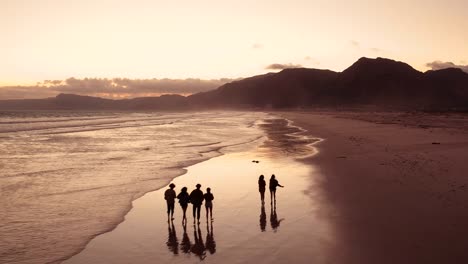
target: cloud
<point>309,59</point>
<point>257,46</point>
<point>111,88</point>
<point>279,66</point>
<point>438,65</point>
<point>376,50</point>
<point>355,44</point>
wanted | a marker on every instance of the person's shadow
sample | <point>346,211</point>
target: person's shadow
<point>210,242</point>
<point>274,222</point>
<point>185,244</point>
<point>199,247</point>
<point>263,220</point>
<point>172,242</point>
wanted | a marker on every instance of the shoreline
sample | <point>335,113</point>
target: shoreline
<point>215,152</point>
<point>53,210</point>
<point>183,171</point>
<point>140,238</point>
<point>296,134</point>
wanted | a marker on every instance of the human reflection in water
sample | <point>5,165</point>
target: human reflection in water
<point>263,220</point>
<point>198,248</point>
<point>210,242</point>
<point>185,244</point>
<point>274,222</point>
<point>172,242</point>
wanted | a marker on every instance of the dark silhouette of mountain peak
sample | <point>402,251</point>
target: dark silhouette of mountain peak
<point>380,82</point>
<point>380,66</point>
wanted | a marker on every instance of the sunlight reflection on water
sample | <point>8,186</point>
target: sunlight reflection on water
<point>244,231</point>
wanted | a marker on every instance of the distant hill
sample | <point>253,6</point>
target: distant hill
<point>381,83</point>
<point>81,102</point>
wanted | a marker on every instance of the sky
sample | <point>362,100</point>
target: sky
<point>210,40</point>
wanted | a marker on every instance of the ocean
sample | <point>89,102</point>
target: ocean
<point>66,177</point>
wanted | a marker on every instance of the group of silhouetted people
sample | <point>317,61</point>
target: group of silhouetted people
<point>272,186</point>
<point>196,198</point>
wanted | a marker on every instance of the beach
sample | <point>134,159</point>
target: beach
<point>244,230</point>
<point>360,187</point>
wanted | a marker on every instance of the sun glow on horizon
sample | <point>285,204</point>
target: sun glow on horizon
<point>142,39</point>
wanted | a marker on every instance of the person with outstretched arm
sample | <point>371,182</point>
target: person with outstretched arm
<point>273,184</point>
<point>209,203</point>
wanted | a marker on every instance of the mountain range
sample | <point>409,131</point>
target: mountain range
<point>380,83</point>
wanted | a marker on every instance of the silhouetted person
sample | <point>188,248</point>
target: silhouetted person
<point>261,187</point>
<point>172,242</point>
<point>199,247</point>
<point>185,244</point>
<point>273,184</point>
<point>196,198</point>
<point>274,222</point>
<point>169,196</point>
<point>263,220</point>
<point>208,203</point>
<point>184,200</point>
<point>210,242</point>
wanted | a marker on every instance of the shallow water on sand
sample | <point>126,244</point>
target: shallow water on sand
<point>66,177</point>
<point>294,230</point>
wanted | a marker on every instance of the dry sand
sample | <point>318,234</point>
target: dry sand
<point>398,183</point>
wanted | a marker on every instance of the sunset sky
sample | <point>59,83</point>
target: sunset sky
<point>140,39</point>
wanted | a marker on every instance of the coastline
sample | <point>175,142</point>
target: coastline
<point>105,171</point>
<point>213,153</point>
<point>395,186</point>
<point>148,212</point>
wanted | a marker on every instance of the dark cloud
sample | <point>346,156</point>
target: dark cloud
<point>279,66</point>
<point>438,65</point>
<point>111,88</point>
<point>25,92</point>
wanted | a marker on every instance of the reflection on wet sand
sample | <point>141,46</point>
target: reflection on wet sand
<point>274,222</point>
<point>263,220</point>
<point>185,244</point>
<point>198,248</point>
<point>172,242</point>
<point>210,242</point>
<point>237,220</point>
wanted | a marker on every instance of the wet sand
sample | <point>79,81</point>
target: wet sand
<point>243,231</point>
<point>398,183</point>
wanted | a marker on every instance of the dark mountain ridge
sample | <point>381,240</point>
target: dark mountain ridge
<point>382,83</point>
